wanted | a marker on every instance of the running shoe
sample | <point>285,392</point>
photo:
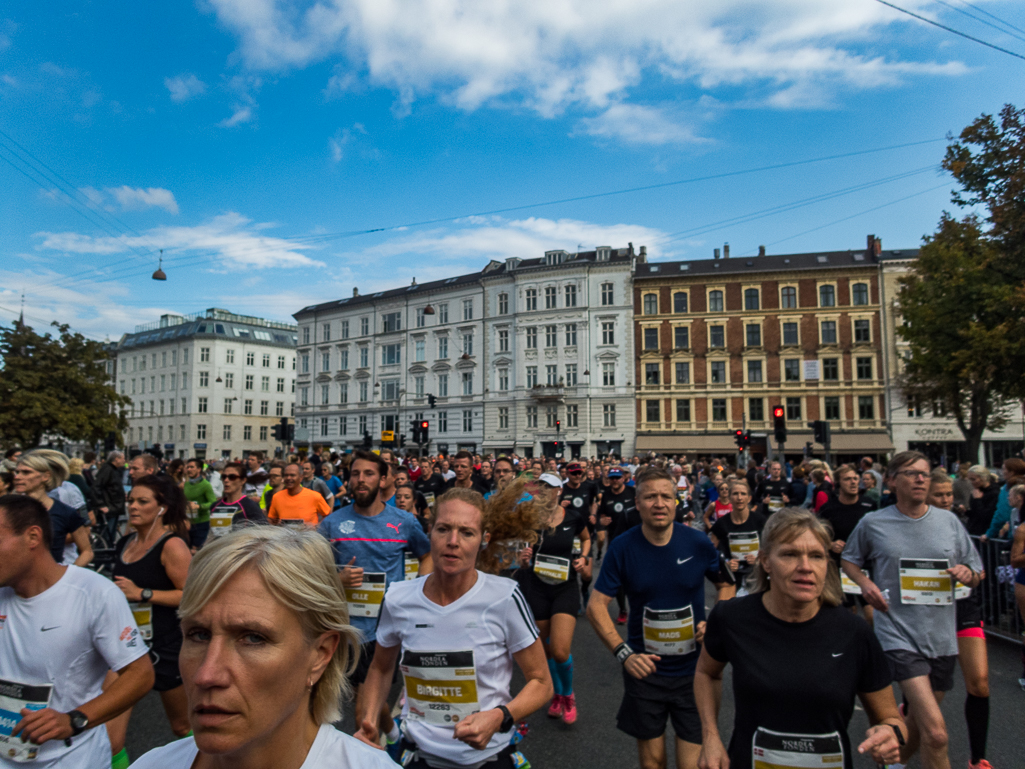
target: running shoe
<point>621,619</point>
<point>1021,683</point>
<point>569,705</point>
<point>980,764</point>
<point>394,749</point>
<point>555,710</point>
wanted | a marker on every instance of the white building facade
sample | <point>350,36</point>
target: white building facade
<point>210,385</point>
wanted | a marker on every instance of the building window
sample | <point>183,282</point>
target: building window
<point>551,336</point>
<point>571,295</point>
<point>651,411</point>
<point>831,369</point>
<point>467,421</point>
<point>864,368</point>
<point>790,333</point>
<point>226,433</point>
<point>467,309</point>
<point>185,405</point>
<point>503,304</point>
<point>420,350</point>
<point>418,387</point>
<point>503,340</point>
<point>571,334</point>
<point>279,408</point>
<point>551,375</point>
<point>304,396</point>
<point>608,411</point>
<point>572,415</point>
<point>204,379</point>
<point>325,395</point>
<point>715,301</point>
<point>682,372</point>
<point>832,404</point>
<point>325,361</point>
<point>229,357</point>
<point>571,374</point>
<point>866,407</point>
<point>306,334</point>
<point>503,416</point>
<point>754,371</point>
<point>200,432</point>
<point>531,334</point>
<point>861,331</point>
<point>247,432</point>
<point>608,334</point>
<point>914,407</point>
<point>443,313</point>
<point>264,408</point>
<point>364,326</point>
<point>681,338</point>
<point>263,433</point>
<point>281,362</point>
<point>651,304</point>
<point>549,297</point>
<point>532,417</point>
<point>442,347</point>
<point>343,393</point>
<point>680,303</point>
<point>362,425</point>
<point>793,409</point>
<point>467,383</point>
<point>608,374</point>
<point>716,336</point>
<point>859,293</point>
<point>391,354</point>
<point>606,295</point>
<point>651,339</point>
<point>683,410</point>
<point>247,407</point>
<point>531,376</point>
<point>718,409</point>
<point>204,357</point>
<point>551,416</point>
<point>201,406</point>
<point>442,385</point>
<point>651,374</point>
<point>364,392</point>
<point>827,332</point>
<point>265,384</point>
<point>531,298</point>
<point>755,409</point>
<point>467,344</point>
<point>718,372</point>
<point>788,298</point>
<point>281,384</point>
<point>503,379</point>
<point>304,364</point>
<point>792,370</point>
<point>345,329</point>
<point>250,358</point>
<point>754,335</point>
<point>827,296</point>
<point>751,301</point>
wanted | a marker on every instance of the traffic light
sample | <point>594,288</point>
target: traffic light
<point>425,435</point>
<point>431,400</point>
<point>779,423</point>
<point>367,441</point>
<point>821,430</point>
<point>747,439</point>
<point>402,440</point>
<point>281,431</point>
<point>276,432</point>
<point>558,425</point>
<point>738,438</point>
<point>289,433</point>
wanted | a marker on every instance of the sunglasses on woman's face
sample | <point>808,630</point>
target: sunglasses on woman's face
<point>232,477</point>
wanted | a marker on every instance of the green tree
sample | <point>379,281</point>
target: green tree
<point>55,386</point>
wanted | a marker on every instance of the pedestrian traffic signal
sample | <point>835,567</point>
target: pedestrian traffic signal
<point>431,400</point>
<point>821,430</point>
<point>738,438</point>
<point>425,436</point>
<point>779,424</point>
<point>558,425</point>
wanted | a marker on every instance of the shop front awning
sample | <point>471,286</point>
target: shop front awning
<point>683,443</point>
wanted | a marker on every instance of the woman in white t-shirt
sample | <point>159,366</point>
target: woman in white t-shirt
<point>266,646</point>
<point>455,635</point>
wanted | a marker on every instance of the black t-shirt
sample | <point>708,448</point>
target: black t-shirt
<point>776,490</point>
<point>476,484</point>
<point>244,511</point>
<point>434,485</point>
<point>843,518</point>
<point>64,520</point>
<point>580,498</point>
<point>797,678</point>
<point>558,542</point>
<point>617,507</point>
<point>725,526</point>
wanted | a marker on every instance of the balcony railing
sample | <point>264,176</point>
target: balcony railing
<point>548,392</point>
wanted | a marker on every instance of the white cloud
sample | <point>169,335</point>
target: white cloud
<point>240,115</point>
<point>355,137</point>
<point>135,198</point>
<point>636,124</point>
<point>229,238</point>
<point>184,87</point>
<point>7,30</point>
<point>582,53</point>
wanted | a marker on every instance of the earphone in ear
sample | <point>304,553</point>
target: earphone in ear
<point>160,511</point>
<point>484,544</point>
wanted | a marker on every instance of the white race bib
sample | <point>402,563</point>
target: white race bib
<point>551,569</point>
<point>366,600</point>
<point>293,523</point>
<point>411,564</point>
<point>143,614</point>
<point>441,687</point>
<point>961,591</point>
<point>429,496</point>
<point>220,523</point>
<point>926,582</point>
<point>14,697</point>
<point>669,631</point>
<point>743,543</point>
<point>850,587</point>
<point>776,750</point>
<point>578,546</point>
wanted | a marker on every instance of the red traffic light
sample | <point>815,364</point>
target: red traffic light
<point>424,425</point>
<point>740,433</point>
<point>778,412</point>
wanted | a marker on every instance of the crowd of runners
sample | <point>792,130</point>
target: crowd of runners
<point>262,598</point>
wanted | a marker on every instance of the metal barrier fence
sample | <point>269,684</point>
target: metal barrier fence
<point>996,592</point>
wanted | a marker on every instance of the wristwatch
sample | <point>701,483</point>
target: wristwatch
<point>147,595</point>
<point>79,722</point>
<point>507,722</point>
<point>899,733</point>
<point>622,652</point>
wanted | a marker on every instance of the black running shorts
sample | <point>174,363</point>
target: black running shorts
<point>647,702</point>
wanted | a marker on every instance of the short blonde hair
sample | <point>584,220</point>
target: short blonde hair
<point>786,526</point>
<point>299,571</point>
<point>75,466</point>
<point>47,461</point>
<point>982,472</point>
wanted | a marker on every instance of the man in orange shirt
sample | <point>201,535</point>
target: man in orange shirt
<point>295,505</point>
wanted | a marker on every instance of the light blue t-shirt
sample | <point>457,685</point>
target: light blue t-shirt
<point>378,542</point>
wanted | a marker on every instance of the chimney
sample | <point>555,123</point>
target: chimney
<point>725,250</point>
<point>870,245</point>
<point>414,281</point>
<point>355,291</point>
<point>644,253</point>
<point>761,250</point>
<point>877,247</point>
<point>715,253</point>
<point>630,249</point>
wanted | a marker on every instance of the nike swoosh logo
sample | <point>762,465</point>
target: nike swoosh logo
<point>566,528</point>
<point>838,655</point>
<point>679,561</point>
<point>44,629</point>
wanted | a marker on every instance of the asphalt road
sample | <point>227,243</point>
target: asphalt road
<point>594,741</point>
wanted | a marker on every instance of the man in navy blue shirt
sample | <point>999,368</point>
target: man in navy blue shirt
<point>662,565</point>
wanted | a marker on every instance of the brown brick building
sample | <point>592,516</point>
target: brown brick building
<point>720,342</point>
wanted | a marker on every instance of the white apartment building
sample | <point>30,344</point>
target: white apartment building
<point>559,354</point>
<point>367,364</point>
<point>210,385</point>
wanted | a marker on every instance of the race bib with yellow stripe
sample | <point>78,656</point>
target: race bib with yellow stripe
<point>441,687</point>
<point>850,587</point>
<point>366,600</point>
<point>551,569</point>
<point>143,614</point>
<point>669,631</point>
<point>220,523</point>
<point>777,750</point>
<point>15,697</point>
<point>411,565</point>
<point>926,582</point>
<point>743,543</point>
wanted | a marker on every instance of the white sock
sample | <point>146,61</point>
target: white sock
<point>393,735</point>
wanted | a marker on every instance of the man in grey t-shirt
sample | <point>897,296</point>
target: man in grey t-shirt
<point>311,481</point>
<point>915,554</point>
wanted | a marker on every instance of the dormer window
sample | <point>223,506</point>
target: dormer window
<point>603,253</point>
<point>554,257</point>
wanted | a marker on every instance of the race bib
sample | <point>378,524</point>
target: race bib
<point>143,614</point>
<point>961,591</point>
<point>429,496</point>
<point>220,523</point>
<point>293,523</point>
<point>669,631</point>
<point>776,750</point>
<point>15,697</point>
<point>441,687</point>
<point>775,504</point>
<point>578,547</point>
<point>411,565</point>
<point>926,582</point>
<point>850,587</point>
<point>551,569</point>
<point>743,543</point>
<point>366,600</point>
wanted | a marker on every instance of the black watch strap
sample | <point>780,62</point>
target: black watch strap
<point>622,652</point>
<point>507,722</point>
<point>147,595</point>
<point>79,722</point>
<point>899,733</point>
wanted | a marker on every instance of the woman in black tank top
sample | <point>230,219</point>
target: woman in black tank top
<point>150,568</point>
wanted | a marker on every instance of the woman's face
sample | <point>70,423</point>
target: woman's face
<point>29,481</point>
<point>143,507</point>
<point>247,666</point>
<point>739,497</point>
<point>404,499</point>
<point>798,568</point>
<point>976,481</point>
<point>941,495</point>
<point>869,480</point>
<point>456,537</point>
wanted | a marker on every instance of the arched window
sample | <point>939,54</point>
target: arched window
<point>827,296</point>
<point>751,299</point>
<point>651,304</point>
<point>788,298</point>
<point>715,301</point>
<point>859,293</point>
<point>680,301</point>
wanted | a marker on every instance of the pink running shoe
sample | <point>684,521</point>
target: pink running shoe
<point>980,764</point>
<point>621,619</point>
<point>555,710</point>
<point>569,704</point>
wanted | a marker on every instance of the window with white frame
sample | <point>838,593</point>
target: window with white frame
<point>364,356</point>
<point>503,417</point>
<point>551,416</point>
<point>364,392</point>
<point>752,300</point>
<point>264,408</point>
<point>827,295</point>
<point>503,340</point>
<point>503,304</point>
<point>345,329</point>
<point>443,313</point>
<point>503,379</point>
<point>572,415</point>
<point>421,319</point>
<point>608,411</point>
<point>571,374</point>
<point>391,354</point>
<point>715,303</point>
<point>343,360</point>
<point>571,295</point>
<point>467,309</point>
<point>364,326</point>
<point>608,374</point>
<point>607,295</point>
<point>571,334</point>
<point>325,361</point>
<point>531,337</point>
<point>467,383</point>
<point>443,347</point>
<point>608,332</point>
<point>551,375</point>
<point>827,332</point>
<point>551,336</point>
<point>550,297</point>
<point>650,304</point>
<point>468,344</point>
<point>442,385</point>
<point>530,297</point>
<point>531,417</point>
<point>859,293</point>
<point>467,421</point>
<point>531,376</point>
<point>418,386</point>
<point>442,421</point>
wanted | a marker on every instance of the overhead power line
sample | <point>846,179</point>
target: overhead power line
<point>976,18</point>
<point>996,18</point>
<point>951,29</point>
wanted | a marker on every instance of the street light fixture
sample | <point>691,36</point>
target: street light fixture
<point>160,274</point>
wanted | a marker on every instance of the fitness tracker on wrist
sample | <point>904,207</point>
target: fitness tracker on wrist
<point>507,721</point>
<point>622,652</point>
<point>79,722</point>
<point>899,733</point>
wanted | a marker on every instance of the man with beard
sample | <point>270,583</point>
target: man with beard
<point>462,465</point>
<point>430,483</point>
<point>617,512</point>
<point>369,540</point>
<point>775,492</point>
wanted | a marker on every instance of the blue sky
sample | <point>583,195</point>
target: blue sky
<point>251,138</point>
